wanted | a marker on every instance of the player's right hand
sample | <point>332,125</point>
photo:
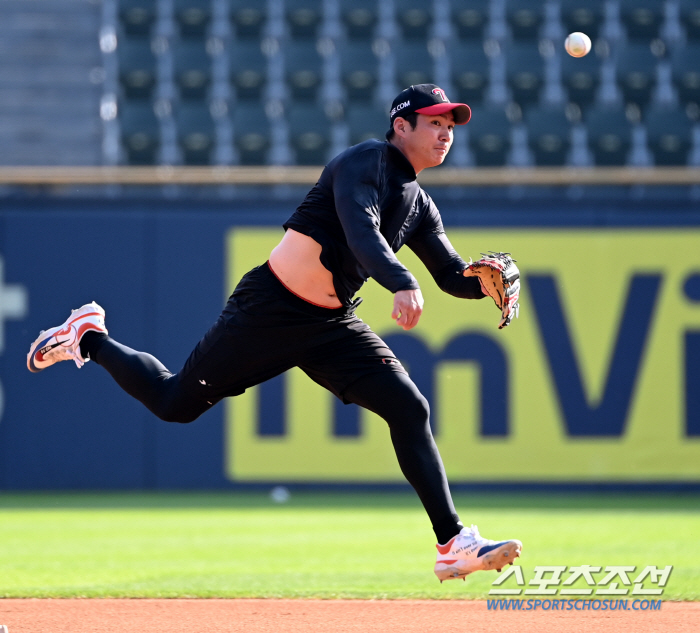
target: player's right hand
<point>408,306</point>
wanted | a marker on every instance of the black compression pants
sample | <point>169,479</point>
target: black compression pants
<point>266,330</point>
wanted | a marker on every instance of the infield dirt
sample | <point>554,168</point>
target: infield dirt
<point>322,616</point>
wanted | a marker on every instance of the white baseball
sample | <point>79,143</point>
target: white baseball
<point>280,494</point>
<point>578,44</point>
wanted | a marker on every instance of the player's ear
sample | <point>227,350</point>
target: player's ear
<point>400,126</point>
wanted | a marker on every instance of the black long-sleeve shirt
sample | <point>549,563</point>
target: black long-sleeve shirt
<point>365,206</point>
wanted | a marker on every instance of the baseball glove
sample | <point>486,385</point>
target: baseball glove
<point>500,280</point>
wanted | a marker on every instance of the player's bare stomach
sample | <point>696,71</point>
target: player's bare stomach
<point>297,264</point>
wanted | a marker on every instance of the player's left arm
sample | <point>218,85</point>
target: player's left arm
<point>433,248</point>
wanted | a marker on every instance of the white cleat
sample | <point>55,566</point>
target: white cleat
<point>469,552</point>
<point>63,342</point>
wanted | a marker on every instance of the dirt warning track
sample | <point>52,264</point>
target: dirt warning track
<point>322,616</point>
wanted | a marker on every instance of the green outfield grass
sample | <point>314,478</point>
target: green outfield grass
<point>320,545</point>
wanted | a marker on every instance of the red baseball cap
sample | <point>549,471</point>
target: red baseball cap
<point>428,99</point>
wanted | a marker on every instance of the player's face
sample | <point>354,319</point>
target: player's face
<point>429,143</point>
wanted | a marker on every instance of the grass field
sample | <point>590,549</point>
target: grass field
<point>320,545</point>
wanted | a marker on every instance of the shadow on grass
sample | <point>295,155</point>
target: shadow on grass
<point>555,500</point>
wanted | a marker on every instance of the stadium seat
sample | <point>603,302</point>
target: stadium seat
<point>304,70</point>
<point>636,73</point>
<point>137,68</point>
<point>252,136</point>
<point>524,72</point>
<point>193,17</point>
<point>525,17</point>
<point>196,133</point>
<point>304,18</point>
<point>309,133</point>
<point>359,17</point>
<point>690,18</point>
<point>549,134</point>
<point>669,133</point>
<point>247,69</point>
<point>359,71</point>
<point>489,136</point>
<point>686,72</point>
<point>581,77</point>
<point>470,71</point>
<point>585,16</point>
<point>642,18</point>
<point>137,17</point>
<point>192,66</point>
<point>365,122</point>
<point>413,64</point>
<point>469,18</point>
<point>609,135</point>
<point>140,132</point>
<point>414,18</point>
<point>248,17</point>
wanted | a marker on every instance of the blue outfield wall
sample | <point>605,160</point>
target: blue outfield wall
<point>162,271</point>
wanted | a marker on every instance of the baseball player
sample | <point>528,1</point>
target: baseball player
<point>298,310</point>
